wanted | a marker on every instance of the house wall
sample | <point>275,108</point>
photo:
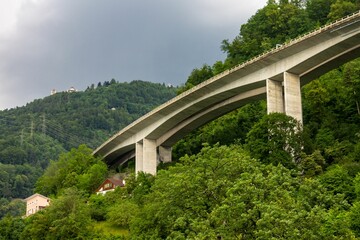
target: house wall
<point>103,192</point>
<point>35,204</point>
<point>106,187</point>
<point>109,185</point>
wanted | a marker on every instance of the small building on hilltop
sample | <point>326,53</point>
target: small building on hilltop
<point>109,185</point>
<point>35,203</point>
<point>71,90</point>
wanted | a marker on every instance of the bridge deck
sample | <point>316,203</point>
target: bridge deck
<point>307,56</point>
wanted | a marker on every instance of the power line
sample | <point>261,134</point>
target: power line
<point>55,130</point>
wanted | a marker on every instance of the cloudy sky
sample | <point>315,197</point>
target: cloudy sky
<point>57,44</point>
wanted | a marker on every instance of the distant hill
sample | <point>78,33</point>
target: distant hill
<point>32,135</point>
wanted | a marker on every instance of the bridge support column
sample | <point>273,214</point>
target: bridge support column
<point>285,97</point>
<point>146,156</point>
<point>274,96</point>
<point>292,96</point>
<point>165,154</point>
<point>139,157</point>
<point>149,156</point>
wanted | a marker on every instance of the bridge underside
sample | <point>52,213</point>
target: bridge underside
<point>282,96</point>
<point>276,76</point>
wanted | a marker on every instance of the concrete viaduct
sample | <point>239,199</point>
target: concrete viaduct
<point>276,76</point>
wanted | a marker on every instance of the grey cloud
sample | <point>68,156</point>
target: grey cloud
<point>77,43</point>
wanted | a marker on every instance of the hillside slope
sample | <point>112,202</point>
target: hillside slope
<point>32,135</point>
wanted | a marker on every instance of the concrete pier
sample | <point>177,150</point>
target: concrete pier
<point>149,156</point>
<point>292,96</point>
<point>274,96</point>
<point>285,96</point>
<point>139,157</point>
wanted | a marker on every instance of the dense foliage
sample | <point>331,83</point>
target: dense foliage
<point>223,193</point>
<point>246,175</point>
<point>77,168</point>
<point>219,193</point>
<point>32,135</point>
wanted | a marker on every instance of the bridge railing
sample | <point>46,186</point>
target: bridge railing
<point>272,51</point>
<point>298,39</point>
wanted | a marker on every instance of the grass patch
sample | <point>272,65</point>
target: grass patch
<point>109,229</point>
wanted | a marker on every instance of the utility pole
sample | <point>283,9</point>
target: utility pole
<point>32,128</point>
<point>44,125</point>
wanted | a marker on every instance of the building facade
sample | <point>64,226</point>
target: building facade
<point>35,203</point>
<point>109,185</point>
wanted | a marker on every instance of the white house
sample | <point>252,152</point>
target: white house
<point>36,202</point>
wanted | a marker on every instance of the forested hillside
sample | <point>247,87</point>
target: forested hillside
<point>246,175</point>
<point>32,135</point>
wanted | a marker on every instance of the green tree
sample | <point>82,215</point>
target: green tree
<point>223,193</point>
<point>354,216</point>
<point>122,213</point>
<point>317,97</point>
<point>274,24</point>
<point>16,181</point>
<point>351,73</point>
<point>318,10</point>
<point>271,204</point>
<point>183,196</point>
<point>198,75</point>
<point>97,207</point>
<point>275,139</point>
<point>313,164</point>
<point>357,186</point>
<point>139,186</point>
<point>341,8</point>
<point>67,217</point>
<point>337,180</point>
<point>75,168</point>
<point>11,228</point>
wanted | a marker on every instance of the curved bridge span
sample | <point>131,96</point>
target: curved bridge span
<point>276,76</point>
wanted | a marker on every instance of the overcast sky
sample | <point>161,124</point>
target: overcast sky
<point>57,44</point>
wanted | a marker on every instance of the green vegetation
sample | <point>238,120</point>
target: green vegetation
<point>246,175</point>
<point>110,230</point>
<point>223,192</point>
<point>32,136</point>
<point>76,168</point>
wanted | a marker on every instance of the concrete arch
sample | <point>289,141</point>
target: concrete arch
<point>276,75</point>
